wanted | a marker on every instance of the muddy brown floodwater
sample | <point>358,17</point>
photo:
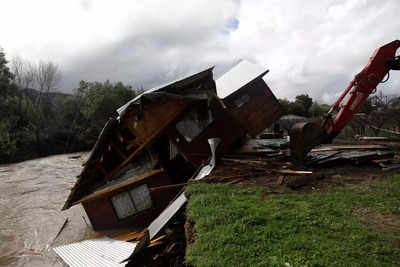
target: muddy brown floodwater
<point>31,197</point>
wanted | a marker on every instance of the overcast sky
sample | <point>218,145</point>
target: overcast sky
<point>312,47</point>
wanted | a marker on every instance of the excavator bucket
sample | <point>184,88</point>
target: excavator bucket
<point>303,137</point>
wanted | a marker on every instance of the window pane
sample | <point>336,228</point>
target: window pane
<point>123,205</point>
<point>141,197</point>
<point>193,122</point>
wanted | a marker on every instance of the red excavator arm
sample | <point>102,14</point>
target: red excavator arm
<point>304,136</point>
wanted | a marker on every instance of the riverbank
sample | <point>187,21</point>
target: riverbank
<point>350,224</point>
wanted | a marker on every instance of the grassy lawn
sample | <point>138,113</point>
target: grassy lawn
<point>349,226</point>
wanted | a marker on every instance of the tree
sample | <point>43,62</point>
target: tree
<point>297,109</point>
<point>285,106</point>
<point>6,77</point>
<point>306,102</point>
<point>301,106</point>
<point>8,118</point>
<point>24,72</point>
<point>378,112</point>
<point>48,76</point>
<point>36,122</point>
<point>99,102</point>
<point>318,110</point>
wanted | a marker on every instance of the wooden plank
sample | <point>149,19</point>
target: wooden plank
<point>158,241</point>
<point>170,248</point>
<point>128,237</point>
<point>131,181</point>
<point>292,172</point>
<point>134,142</point>
<point>153,244</point>
<point>167,187</point>
<point>391,168</point>
<point>119,136</point>
<point>377,161</point>
<point>116,149</point>
<point>234,181</point>
<point>143,145</point>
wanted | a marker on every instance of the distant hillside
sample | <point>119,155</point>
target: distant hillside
<point>33,93</point>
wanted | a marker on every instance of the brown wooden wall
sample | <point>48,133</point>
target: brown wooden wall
<point>154,117</point>
<point>224,126</point>
<point>102,215</point>
<point>259,112</point>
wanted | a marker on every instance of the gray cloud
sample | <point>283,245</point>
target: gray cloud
<point>313,47</point>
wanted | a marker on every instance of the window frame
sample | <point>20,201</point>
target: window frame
<point>132,201</point>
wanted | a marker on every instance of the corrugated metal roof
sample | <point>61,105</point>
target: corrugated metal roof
<point>102,252</point>
<point>238,76</point>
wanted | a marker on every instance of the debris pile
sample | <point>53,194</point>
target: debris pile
<point>191,130</point>
<point>330,155</point>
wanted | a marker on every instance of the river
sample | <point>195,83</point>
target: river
<point>32,194</point>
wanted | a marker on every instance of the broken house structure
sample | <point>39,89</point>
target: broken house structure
<point>161,138</point>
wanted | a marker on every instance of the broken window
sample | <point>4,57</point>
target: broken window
<point>193,122</point>
<point>240,101</point>
<point>128,203</point>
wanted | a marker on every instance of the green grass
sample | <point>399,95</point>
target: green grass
<point>236,226</point>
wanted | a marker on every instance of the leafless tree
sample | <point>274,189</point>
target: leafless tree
<point>48,76</point>
<point>24,72</point>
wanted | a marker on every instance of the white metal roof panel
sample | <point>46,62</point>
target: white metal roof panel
<point>237,77</point>
<point>102,252</point>
<point>167,213</point>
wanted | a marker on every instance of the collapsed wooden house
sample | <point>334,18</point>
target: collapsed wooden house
<point>248,98</point>
<point>161,138</point>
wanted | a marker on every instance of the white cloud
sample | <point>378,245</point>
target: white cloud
<point>312,47</point>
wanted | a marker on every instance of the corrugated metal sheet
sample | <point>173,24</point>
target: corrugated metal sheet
<point>237,77</point>
<point>102,252</point>
<point>166,215</point>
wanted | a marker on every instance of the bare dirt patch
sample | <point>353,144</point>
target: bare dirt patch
<point>376,221</point>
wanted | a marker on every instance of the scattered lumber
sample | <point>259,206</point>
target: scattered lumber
<point>292,172</point>
<point>391,167</point>
<point>129,237</point>
<point>168,187</point>
<point>158,241</point>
